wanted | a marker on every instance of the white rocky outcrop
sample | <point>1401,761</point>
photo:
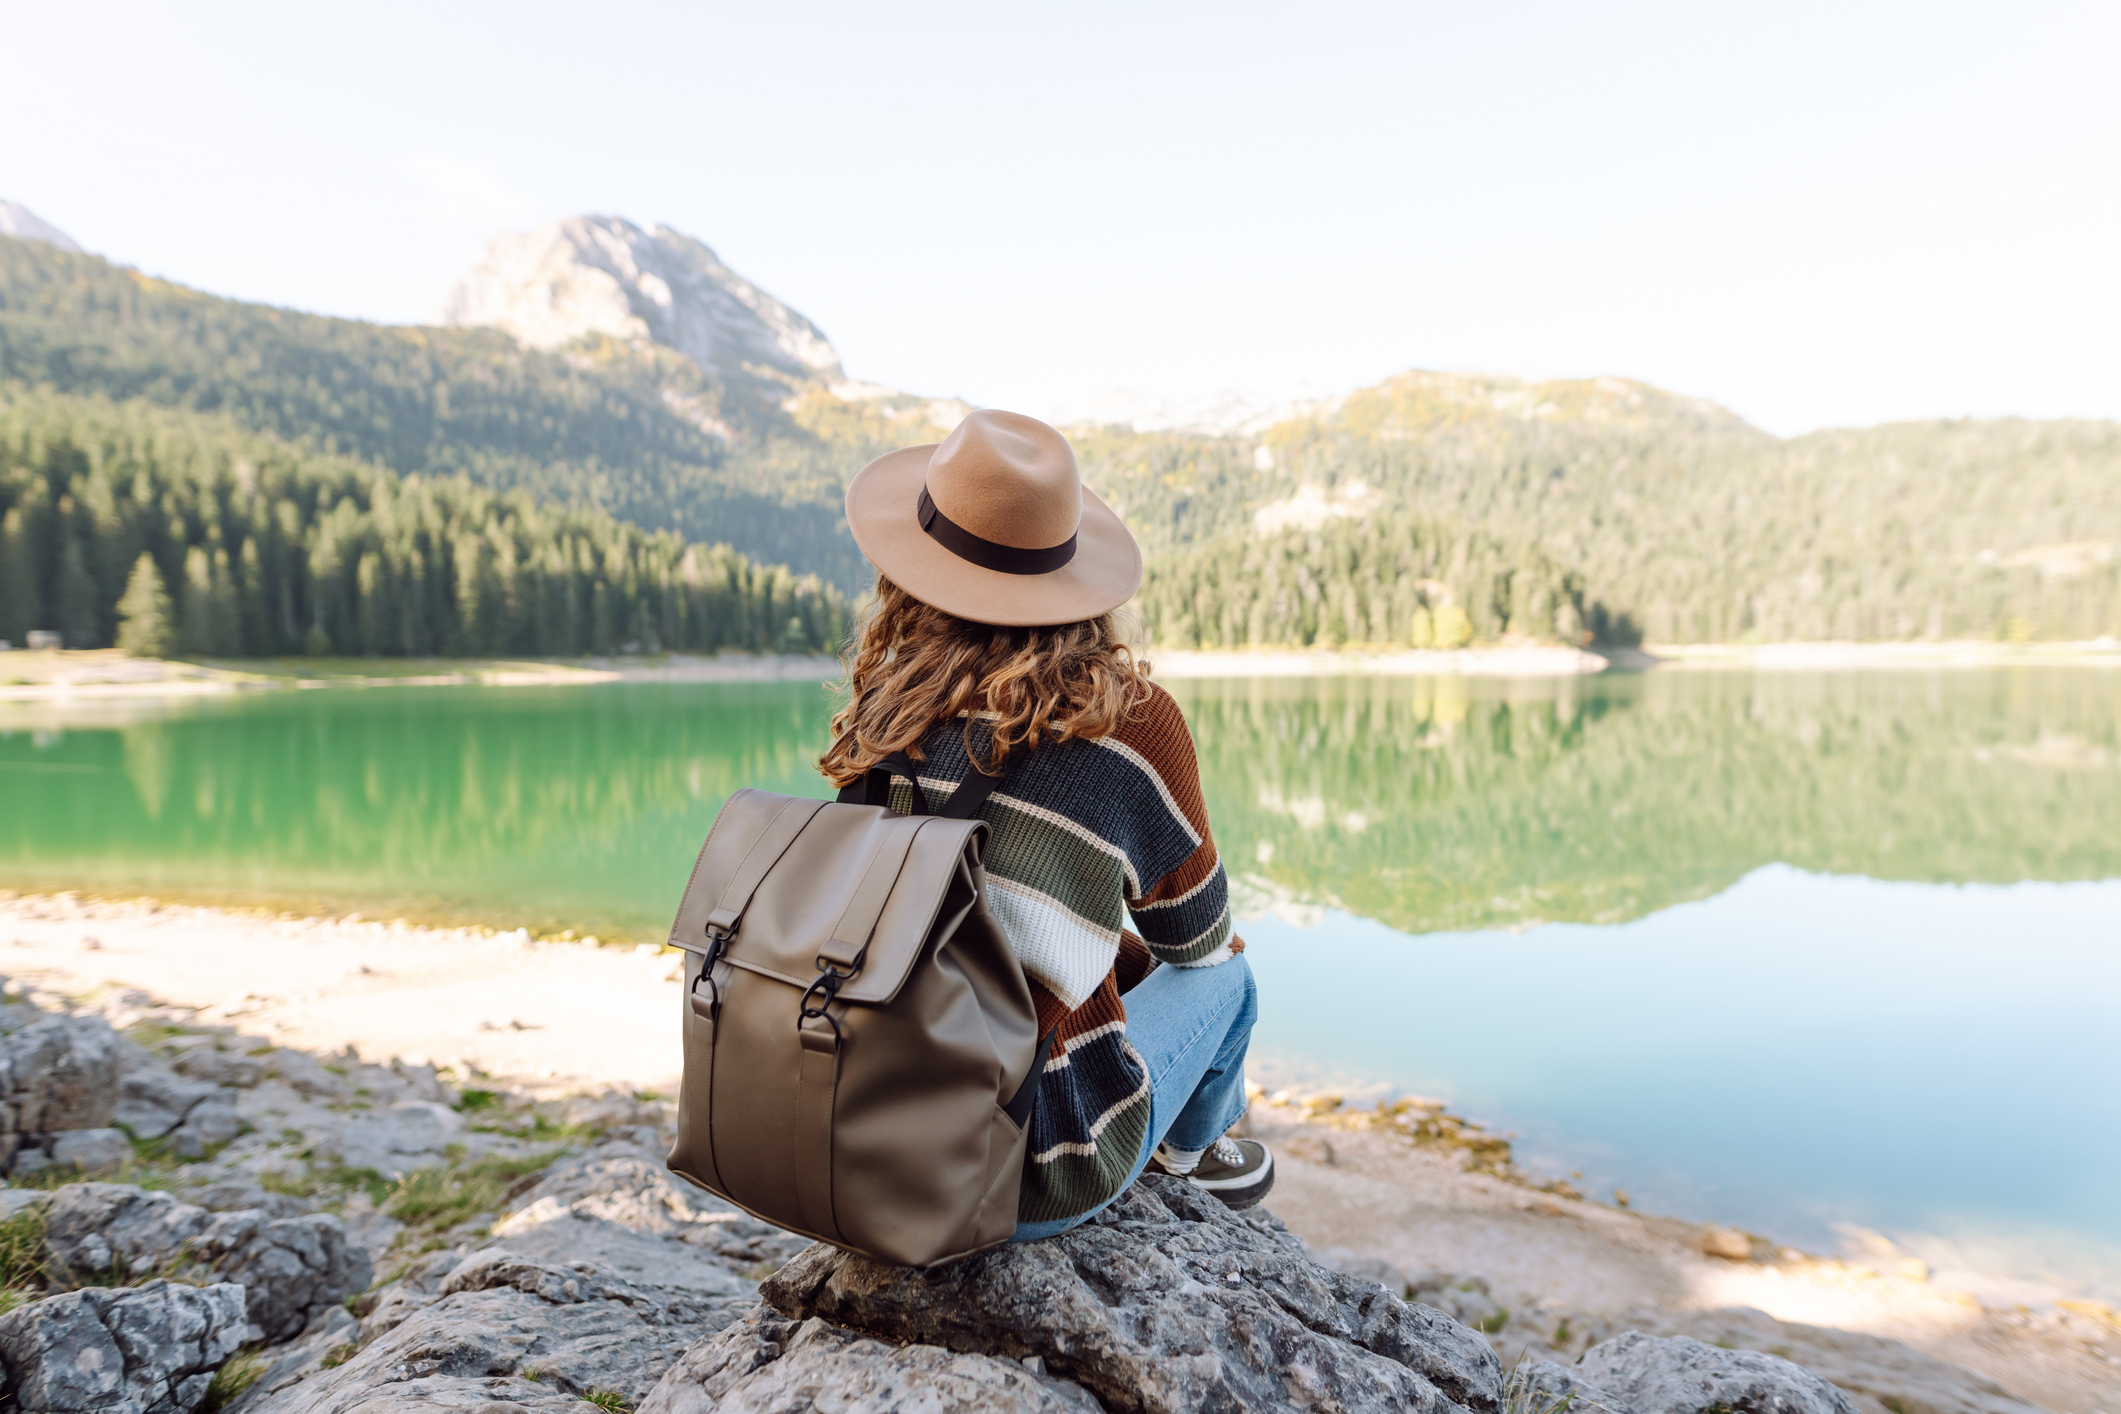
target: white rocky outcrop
<point>605,275</point>
<point>24,224</point>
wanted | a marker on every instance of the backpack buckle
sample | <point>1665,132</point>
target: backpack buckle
<point>717,944</point>
<point>826,987</point>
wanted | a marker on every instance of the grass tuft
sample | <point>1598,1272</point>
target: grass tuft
<point>439,1198</point>
<point>339,1354</point>
<point>22,1265</point>
<point>232,1381</point>
<point>608,1400</point>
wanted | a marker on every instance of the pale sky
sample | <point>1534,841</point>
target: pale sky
<point>1815,214</point>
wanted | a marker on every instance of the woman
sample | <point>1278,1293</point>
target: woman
<point>993,646</point>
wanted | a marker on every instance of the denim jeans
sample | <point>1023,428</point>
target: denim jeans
<point>1190,1026</point>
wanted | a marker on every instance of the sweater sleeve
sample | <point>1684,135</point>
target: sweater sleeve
<point>1183,911</point>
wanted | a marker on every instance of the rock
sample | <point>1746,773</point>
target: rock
<point>289,1268</point>
<point>411,1134</point>
<point>1727,1243</point>
<point>1541,1386</point>
<point>330,1337</point>
<point>1895,1375</point>
<point>1467,1299</point>
<point>502,1328</point>
<point>547,1232</point>
<point>1166,1301</point>
<point>217,1067</point>
<point>1343,1259</point>
<point>56,1073</point>
<point>625,1184</point>
<point>766,1364</point>
<point>234,1195</point>
<point>24,224</point>
<point>142,1350</point>
<point>22,1200</point>
<point>90,1151</point>
<point>604,275</point>
<point>153,1099</point>
<point>1645,1374</point>
<point>211,1123</point>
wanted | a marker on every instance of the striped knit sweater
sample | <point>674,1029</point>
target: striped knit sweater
<point>1085,832</point>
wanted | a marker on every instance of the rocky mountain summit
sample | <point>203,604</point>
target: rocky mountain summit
<point>604,275</point>
<point>538,1255</point>
<point>24,224</point>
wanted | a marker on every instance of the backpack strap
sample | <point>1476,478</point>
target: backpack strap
<point>874,788</point>
<point>758,862</point>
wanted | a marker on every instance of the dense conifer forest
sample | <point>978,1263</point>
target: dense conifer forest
<point>1534,509</point>
<point>1378,581</point>
<point>641,433</point>
<point>1674,513</point>
<point>176,531</point>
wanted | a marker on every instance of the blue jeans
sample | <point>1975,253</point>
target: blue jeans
<point>1190,1026</point>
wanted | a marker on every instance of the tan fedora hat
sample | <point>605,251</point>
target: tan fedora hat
<point>993,524</point>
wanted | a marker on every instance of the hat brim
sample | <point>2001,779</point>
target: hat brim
<point>883,512</point>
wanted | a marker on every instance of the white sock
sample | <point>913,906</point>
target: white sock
<point>1178,1161</point>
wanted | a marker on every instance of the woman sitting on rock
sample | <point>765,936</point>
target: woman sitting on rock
<point>994,631</point>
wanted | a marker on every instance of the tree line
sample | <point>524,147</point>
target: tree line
<point>1382,581</point>
<point>1701,527</point>
<point>174,531</point>
<point>640,432</point>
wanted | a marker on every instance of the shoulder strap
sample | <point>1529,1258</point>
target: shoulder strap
<point>964,802</point>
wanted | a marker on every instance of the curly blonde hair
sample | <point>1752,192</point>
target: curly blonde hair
<point>911,666</point>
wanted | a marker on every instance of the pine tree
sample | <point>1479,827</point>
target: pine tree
<point>77,595</point>
<point>147,622</point>
<point>195,620</point>
<point>20,608</point>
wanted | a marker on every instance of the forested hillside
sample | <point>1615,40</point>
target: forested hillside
<point>1384,580</point>
<point>196,535</point>
<point>1634,510</point>
<point>1675,512</point>
<point>637,431</point>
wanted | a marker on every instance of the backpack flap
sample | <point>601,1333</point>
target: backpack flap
<point>794,888</point>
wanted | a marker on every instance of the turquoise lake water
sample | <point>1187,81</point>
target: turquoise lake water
<point>1791,951</point>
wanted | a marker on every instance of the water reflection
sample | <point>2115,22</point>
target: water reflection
<point>1440,803</point>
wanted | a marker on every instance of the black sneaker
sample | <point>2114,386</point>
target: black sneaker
<point>1238,1171</point>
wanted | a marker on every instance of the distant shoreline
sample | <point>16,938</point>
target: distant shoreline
<point>92,674</point>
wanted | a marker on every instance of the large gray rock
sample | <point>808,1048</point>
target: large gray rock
<point>153,1099</point>
<point>767,1364</point>
<point>411,1134</point>
<point>1895,1375</point>
<point>290,1268</point>
<point>500,1327</point>
<point>1646,1374</point>
<point>56,1073</point>
<point>1543,1387</point>
<point>1166,1301</point>
<point>617,1202</point>
<point>149,1349</point>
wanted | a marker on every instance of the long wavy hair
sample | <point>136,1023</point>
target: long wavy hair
<point>910,667</point>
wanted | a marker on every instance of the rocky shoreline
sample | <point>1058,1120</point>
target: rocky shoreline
<point>543,1257</point>
<point>330,1232</point>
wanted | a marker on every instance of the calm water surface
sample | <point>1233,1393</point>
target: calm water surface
<point>1787,950</point>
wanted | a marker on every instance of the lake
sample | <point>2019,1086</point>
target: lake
<point>1793,951</point>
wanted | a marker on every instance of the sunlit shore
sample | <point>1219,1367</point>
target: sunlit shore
<point>105,673</point>
<point>1555,1271</point>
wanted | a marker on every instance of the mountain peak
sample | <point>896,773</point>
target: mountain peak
<point>24,224</point>
<point>605,275</point>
